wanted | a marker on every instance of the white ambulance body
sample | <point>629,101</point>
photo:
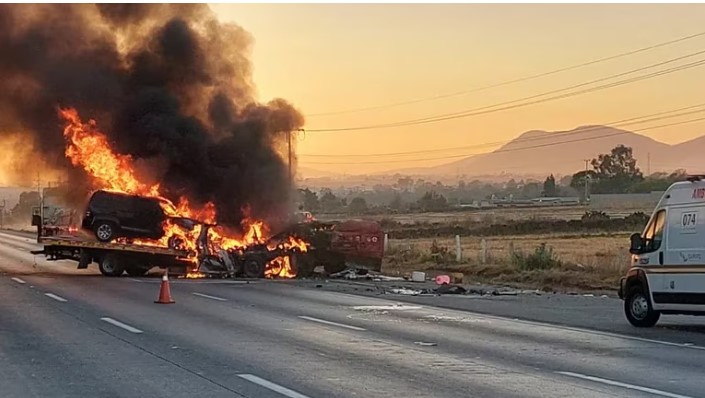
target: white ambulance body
<point>667,273</point>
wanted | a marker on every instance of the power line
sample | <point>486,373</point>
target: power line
<point>508,104</point>
<point>617,123</point>
<point>519,149</point>
<point>591,89</point>
<point>508,82</point>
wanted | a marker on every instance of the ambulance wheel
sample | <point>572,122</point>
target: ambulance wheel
<point>638,309</point>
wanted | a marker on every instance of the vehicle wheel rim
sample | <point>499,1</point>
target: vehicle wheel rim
<point>639,307</point>
<point>108,267</point>
<point>252,267</point>
<point>104,231</point>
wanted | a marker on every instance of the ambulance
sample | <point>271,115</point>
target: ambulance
<point>667,271</point>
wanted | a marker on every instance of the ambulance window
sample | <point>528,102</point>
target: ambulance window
<point>654,232</point>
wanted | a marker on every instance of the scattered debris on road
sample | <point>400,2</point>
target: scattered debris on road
<point>355,274</point>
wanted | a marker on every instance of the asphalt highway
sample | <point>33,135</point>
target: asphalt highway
<point>69,333</point>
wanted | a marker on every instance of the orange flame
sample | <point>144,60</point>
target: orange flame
<point>195,275</point>
<point>89,148</point>
<point>280,267</point>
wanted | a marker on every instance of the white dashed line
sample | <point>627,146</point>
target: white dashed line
<point>323,321</point>
<point>121,325</point>
<point>55,297</point>
<point>18,280</point>
<point>209,297</point>
<point>272,386</point>
<point>623,385</point>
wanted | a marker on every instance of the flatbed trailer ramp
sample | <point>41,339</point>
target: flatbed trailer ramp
<point>115,258</point>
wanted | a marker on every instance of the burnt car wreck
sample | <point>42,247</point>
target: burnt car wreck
<point>334,246</point>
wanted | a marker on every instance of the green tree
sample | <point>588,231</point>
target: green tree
<point>616,172</point>
<point>330,202</point>
<point>310,200</point>
<point>531,190</point>
<point>357,206</point>
<point>549,186</point>
<point>397,203</point>
<point>658,181</point>
<point>577,182</point>
<point>433,201</point>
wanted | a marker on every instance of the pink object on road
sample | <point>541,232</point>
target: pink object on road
<point>442,280</point>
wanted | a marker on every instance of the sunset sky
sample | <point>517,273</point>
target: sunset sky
<point>332,58</point>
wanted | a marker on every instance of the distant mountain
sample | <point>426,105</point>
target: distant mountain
<point>306,172</point>
<point>540,152</point>
<point>689,155</point>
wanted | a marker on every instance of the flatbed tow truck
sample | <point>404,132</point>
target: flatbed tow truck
<point>115,258</point>
<point>357,244</point>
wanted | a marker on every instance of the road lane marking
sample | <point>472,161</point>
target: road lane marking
<point>549,325</point>
<point>323,321</point>
<point>18,280</point>
<point>623,385</point>
<point>589,331</point>
<point>55,297</point>
<point>272,386</point>
<point>209,297</point>
<point>121,325</point>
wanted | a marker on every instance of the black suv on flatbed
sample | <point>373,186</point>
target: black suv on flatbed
<point>112,215</point>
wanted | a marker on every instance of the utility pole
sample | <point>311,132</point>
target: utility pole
<point>41,201</point>
<point>587,179</point>
<point>291,155</point>
<point>648,164</point>
<point>2,214</point>
<point>291,179</point>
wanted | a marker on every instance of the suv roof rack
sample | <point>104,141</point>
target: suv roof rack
<point>695,177</point>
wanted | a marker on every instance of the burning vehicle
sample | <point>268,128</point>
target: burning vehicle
<point>189,170</point>
<point>113,215</point>
<point>294,252</point>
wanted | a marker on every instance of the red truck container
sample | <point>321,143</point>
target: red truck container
<point>361,242</point>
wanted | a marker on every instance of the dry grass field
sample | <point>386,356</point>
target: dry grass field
<point>577,260</point>
<point>569,262</point>
<point>498,214</point>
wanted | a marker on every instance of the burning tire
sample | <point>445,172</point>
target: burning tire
<point>175,242</point>
<point>110,265</point>
<point>105,231</point>
<point>253,266</point>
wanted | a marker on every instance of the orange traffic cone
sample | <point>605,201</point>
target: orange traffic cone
<point>165,292</point>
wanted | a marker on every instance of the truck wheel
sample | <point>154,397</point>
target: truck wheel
<point>253,267</point>
<point>638,309</point>
<point>110,265</point>
<point>105,231</point>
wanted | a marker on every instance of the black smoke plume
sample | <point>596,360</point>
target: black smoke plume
<point>169,85</point>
